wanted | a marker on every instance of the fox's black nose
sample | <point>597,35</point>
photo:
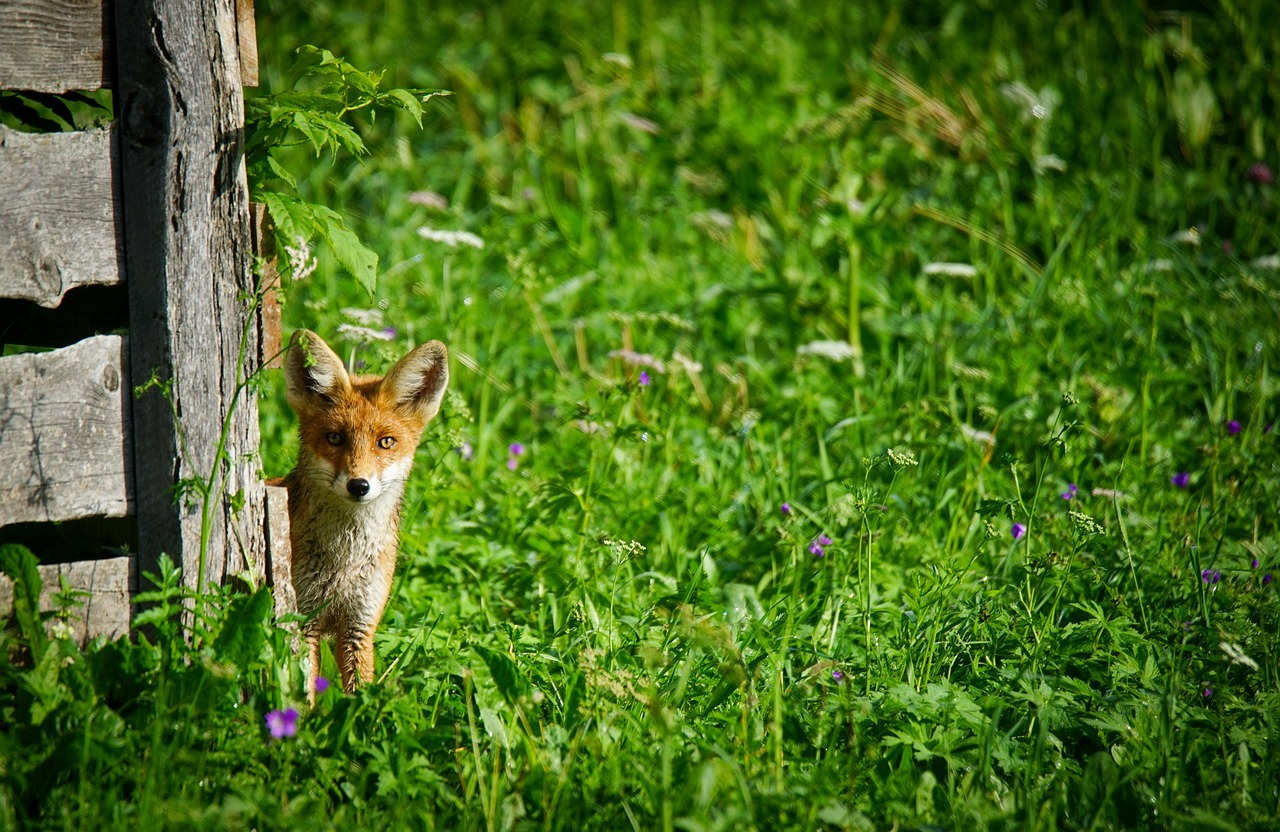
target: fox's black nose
<point>357,488</point>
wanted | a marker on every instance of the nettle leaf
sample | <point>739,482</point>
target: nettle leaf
<point>506,674</point>
<point>318,137</point>
<point>354,255</point>
<point>338,130</point>
<point>408,102</point>
<point>22,567</point>
<point>292,217</point>
<point>243,637</point>
<point>280,171</point>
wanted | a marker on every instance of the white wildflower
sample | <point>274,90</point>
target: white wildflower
<point>1049,161</point>
<point>624,550</point>
<point>1237,655</point>
<point>640,123</point>
<point>951,269</point>
<point>830,350</point>
<point>364,317</point>
<point>1085,524</point>
<point>451,238</point>
<point>978,437</point>
<point>1270,261</point>
<point>899,460</point>
<point>301,263</point>
<point>617,59</point>
<point>590,428</point>
<point>965,371</point>
<point>1189,236</point>
<point>362,334</point>
<point>711,219</point>
<point>429,199</point>
<point>686,363</point>
<point>639,359</point>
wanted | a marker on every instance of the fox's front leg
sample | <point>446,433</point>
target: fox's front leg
<point>355,658</point>
<point>313,671</point>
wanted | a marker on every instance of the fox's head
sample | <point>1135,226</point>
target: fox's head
<point>359,433</point>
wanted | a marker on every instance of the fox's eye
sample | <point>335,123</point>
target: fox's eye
<point>386,443</point>
<point>334,438</point>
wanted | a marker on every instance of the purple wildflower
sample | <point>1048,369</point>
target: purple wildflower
<point>837,677</point>
<point>1233,427</point>
<point>1208,691</point>
<point>823,540</point>
<point>390,332</point>
<point>1070,493</point>
<point>1210,576</point>
<point>512,464</point>
<point>1186,626</point>
<point>282,724</point>
<point>1018,530</point>
<point>818,547</point>
<point>644,378</point>
<point>322,684</point>
<point>1260,174</point>
<point>1254,564</point>
<point>465,450</point>
<point>516,449</point>
<point>1266,579</point>
<point>785,508</point>
<point>1180,479</point>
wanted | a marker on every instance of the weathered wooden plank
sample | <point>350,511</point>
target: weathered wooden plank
<point>180,116</point>
<point>58,221</point>
<point>270,317</point>
<point>247,33</point>
<point>107,610</point>
<point>55,45</point>
<point>280,551</point>
<point>64,433</point>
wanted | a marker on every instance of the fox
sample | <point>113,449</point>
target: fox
<point>358,435</point>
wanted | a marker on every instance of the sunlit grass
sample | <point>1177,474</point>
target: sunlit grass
<point>926,278</point>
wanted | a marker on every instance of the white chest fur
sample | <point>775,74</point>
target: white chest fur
<point>344,557</point>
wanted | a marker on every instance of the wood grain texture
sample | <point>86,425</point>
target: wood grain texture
<point>180,116</point>
<point>64,433</point>
<point>280,551</point>
<point>270,315</point>
<point>58,222</point>
<point>247,32</point>
<point>107,610</point>
<point>55,45</point>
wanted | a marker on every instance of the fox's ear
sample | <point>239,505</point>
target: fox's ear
<point>416,385</point>
<point>313,373</point>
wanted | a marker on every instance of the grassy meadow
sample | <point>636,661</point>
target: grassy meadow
<point>861,418</point>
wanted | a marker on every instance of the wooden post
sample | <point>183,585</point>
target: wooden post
<point>180,121</point>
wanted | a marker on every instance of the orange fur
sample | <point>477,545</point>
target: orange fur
<point>358,437</point>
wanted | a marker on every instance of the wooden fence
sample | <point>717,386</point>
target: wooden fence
<point>127,249</point>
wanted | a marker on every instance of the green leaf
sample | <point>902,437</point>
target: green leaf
<point>408,102</point>
<point>338,131</point>
<point>22,567</point>
<point>506,674</point>
<point>292,217</point>
<point>243,637</point>
<point>354,255</point>
<point>318,137</point>
<point>279,170</point>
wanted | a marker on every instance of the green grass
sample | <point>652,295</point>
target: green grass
<point>626,632</point>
